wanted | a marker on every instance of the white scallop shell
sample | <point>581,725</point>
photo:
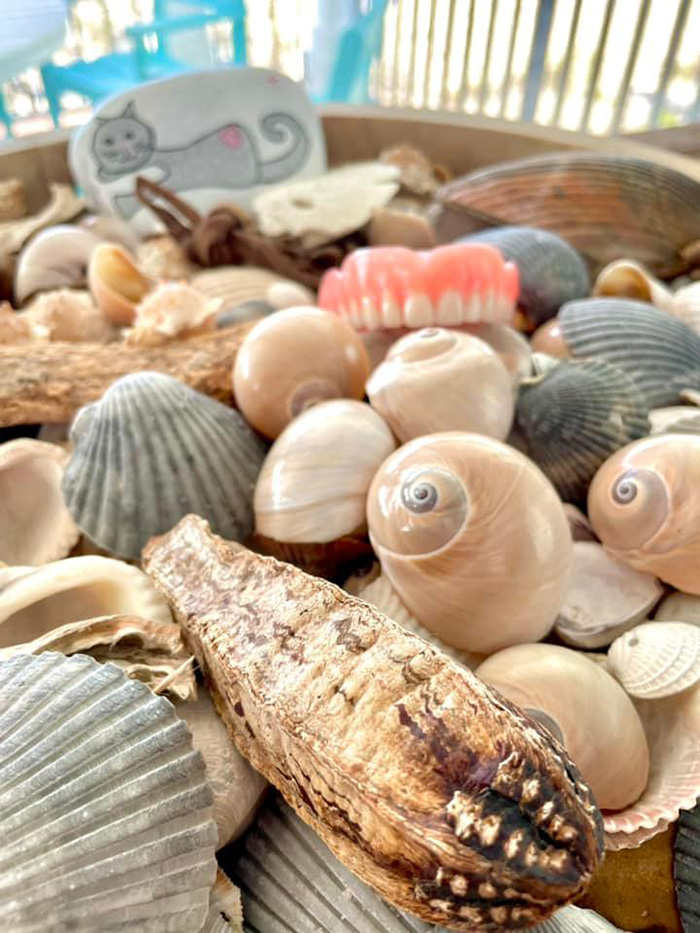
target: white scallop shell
<point>35,525</point>
<point>657,659</point>
<point>105,813</point>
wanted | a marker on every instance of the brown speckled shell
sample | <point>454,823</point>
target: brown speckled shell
<point>422,780</point>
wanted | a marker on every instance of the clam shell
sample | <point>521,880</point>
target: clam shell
<point>236,284</point>
<point>152,450</point>
<point>604,206</point>
<point>658,659</point>
<point>661,353</point>
<point>686,869</point>
<point>57,257</point>
<point>35,526</point>
<point>604,599</point>
<point>679,607</point>
<point>116,282</point>
<point>574,416</point>
<point>35,600</point>
<point>551,271</point>
<point>106,814</point>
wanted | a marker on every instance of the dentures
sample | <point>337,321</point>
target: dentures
<point>387,287</point>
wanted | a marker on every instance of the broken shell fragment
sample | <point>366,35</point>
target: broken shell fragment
<point>116,282</point>
<point>657,659</point>
<point>173,309</point>
<point>380,726</point>
<point>106,814</point>
<point>70,316</point>
<point>16,329</point>
<point>55,258</point>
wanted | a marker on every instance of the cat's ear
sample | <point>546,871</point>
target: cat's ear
<point>130,111</point>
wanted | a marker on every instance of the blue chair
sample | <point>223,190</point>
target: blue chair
<point>167,45</point>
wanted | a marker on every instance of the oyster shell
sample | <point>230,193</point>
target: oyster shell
<point>105,810</point>
<point>152,450</point>
<point>658,659</point>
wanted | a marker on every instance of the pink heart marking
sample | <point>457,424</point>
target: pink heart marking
<point>231,137</point>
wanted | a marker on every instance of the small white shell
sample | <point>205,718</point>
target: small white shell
<point>657,659</point>
<point>57,257</point>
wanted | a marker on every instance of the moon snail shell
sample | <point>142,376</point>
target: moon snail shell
<point>473,538</point>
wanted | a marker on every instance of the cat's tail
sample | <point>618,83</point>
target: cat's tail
<point>281,128</point>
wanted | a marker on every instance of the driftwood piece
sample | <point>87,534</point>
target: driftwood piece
<point>50,382</point>
<point>424,781</point>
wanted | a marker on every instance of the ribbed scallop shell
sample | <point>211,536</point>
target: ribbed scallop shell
<point>152,450</point>
<point>657,659</point>
<point>105,813</point>
<point>574,416</point>
<point>661,353</point>
<point>235,284</point>
<point>686,869</point>
<point>551,271</point>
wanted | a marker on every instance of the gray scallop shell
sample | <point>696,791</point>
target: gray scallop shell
<point>551,271</point>
<point>661,353</point>
<point>291,883</point>
<point>573,417</point>
<point>152,450</point>
<point>105,813</point>
<point>686,869</point>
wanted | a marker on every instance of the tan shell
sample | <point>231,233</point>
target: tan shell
<point>35,600</point>
<point>16,328</point>
<point>235,285</point>
<point>679,607</point>
<point>441,380</point>
<point>591,714</point>
<point>237,787</point>
<point>172,310</point>
<point>401,223</point>
<point>35,525</point>
<point>292,360</point>
<point>283,294</point>
<point>63,204</point>
<point>71,316</point>
<point>57,257</point>
<point>657,659</point>
<point>509,344</point>
<point>473,538</point>
<point>418,174</point>
<point>116,282</point>
<point>549,339</point>
<point>605,598</point>
<point>644,507</point>
<point>314,481</point>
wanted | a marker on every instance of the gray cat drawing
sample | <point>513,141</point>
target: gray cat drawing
<point>225,158</point>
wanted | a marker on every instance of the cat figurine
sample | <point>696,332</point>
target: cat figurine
<point>225,158</point>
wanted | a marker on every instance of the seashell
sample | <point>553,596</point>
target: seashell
<point>658,351</point>
<point>511,346</point>
<point>172,309</point>
<point>162,257</point>
<point>685,868</point>
<point>584,708</point>
<point>418,174</point>
<point>386,287</point>
<point>236,284</point>
<point>441,380</point>
<point>604,206</point>
<point>686,306</point>
<point>15,328</point>
<point>111,228</point>
<point>401,223</point>
<point>293,360</point>
<point>152,652</point>
<point>551,271</point>
<point>314,482</point>
<point>579,525</point>
<point>542,364</point>
<point>573,417</point>
<point>549,339</point>
<point>225,908</point>
<point>678,607</point>
<point>106,813</point>
<point>242,313</point>
<point>64,204</point>
<point>676,419</point>
<point>69,316</point>
<point>285,294</point>
<point>604,599</point>
<point>35,526</point>
<point>377,344</point>
<point>116,282</point>
<point>643,507</point>
<point>152,450</point>
<point>237,788</point>
<point>627,279</point>
<point>55,258</point>
<point>657,659</point>
<point>473,538</point>
<point>35,600</point>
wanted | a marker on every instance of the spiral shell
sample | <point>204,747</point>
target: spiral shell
<point>573,417</point>
<point>293,360</point>
<point>473,538</point>
<point>116,282</point>
<point>657,659</point>
<point>644,507</point>
<point>440,380</point>
<point>585,708</point>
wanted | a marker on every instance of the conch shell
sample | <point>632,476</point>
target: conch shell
<point>173,309</point>
<point>473,538</point>
<point>55,258</point>
<point>116,283</point>
<point>644,508</point>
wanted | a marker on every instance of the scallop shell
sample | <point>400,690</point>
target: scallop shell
<point>605,598</point>
<point>585,708</point>
<point>314,482</point>
<point>152,450</point>
<point>643,506</point>
<point>685,869</point>
<point>236,284</point>
<point>35,600</point>
<point>57,257</point>
<point>286,294</point>
<point>172,309</point>
<point>573,417</point>
<point>292,360</point>
<point>658,351</point>
<point>106,813</point>
<point>604,206</point>
<point>70,316</point>
<point>35,526</point>
<point>473,538</point>
<point>116,282</point>
<point>551,271</point>
<point>441,380</point>
<point>679,607</point>
<point>658,659</point>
